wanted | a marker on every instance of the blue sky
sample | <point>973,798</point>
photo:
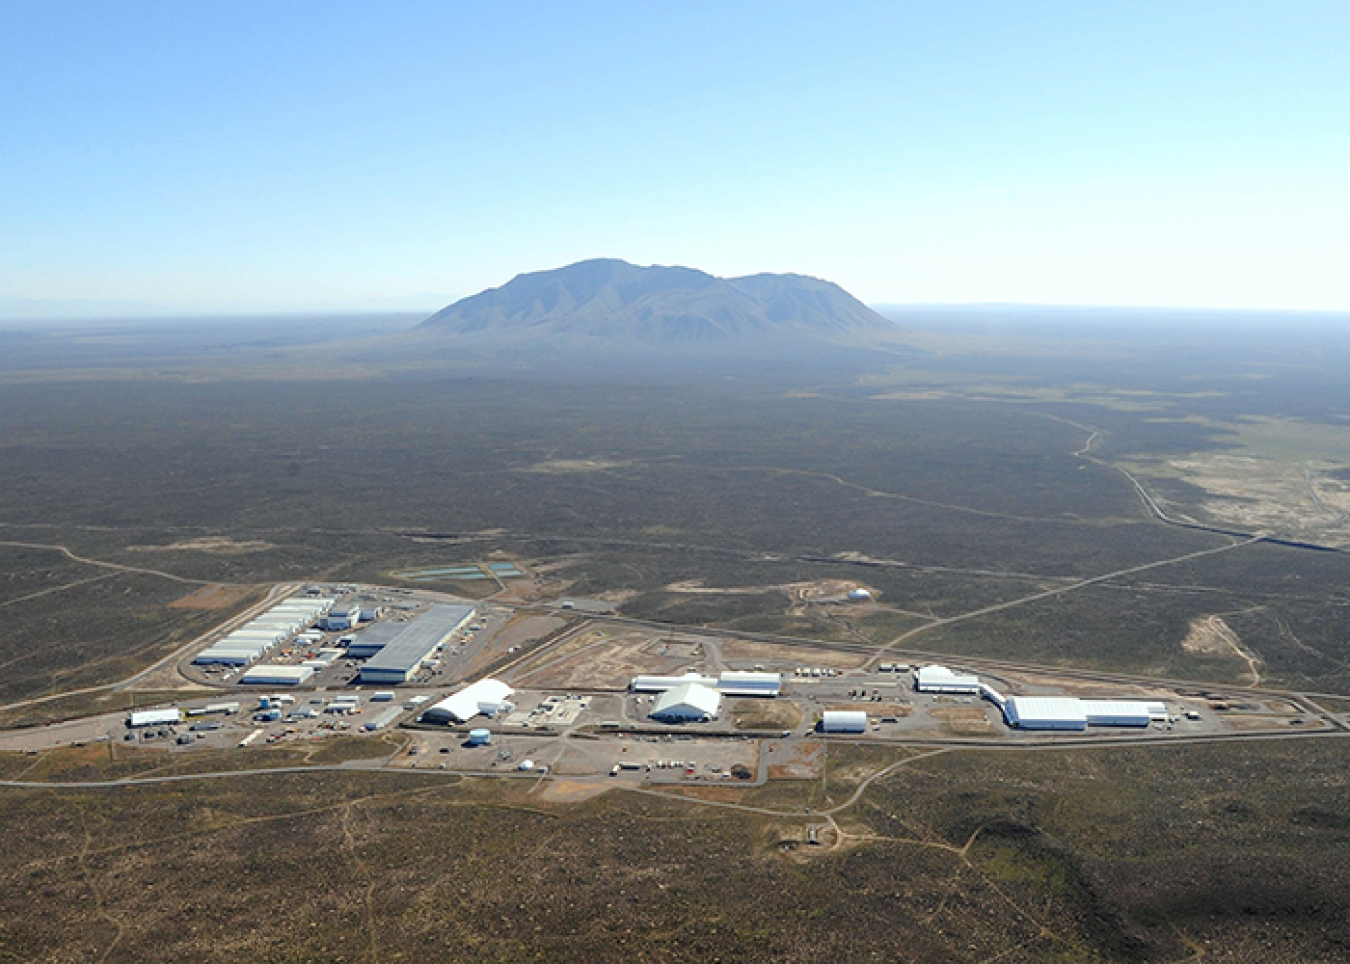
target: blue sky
<point>286,154</point>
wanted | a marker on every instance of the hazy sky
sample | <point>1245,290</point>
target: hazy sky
<point>287,153</point>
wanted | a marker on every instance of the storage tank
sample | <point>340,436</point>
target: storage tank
<point>480,737</point>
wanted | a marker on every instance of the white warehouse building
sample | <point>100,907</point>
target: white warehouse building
<point>660,684</point>
<point>278,675</point>
<point>688,702</point>
<point>939,679</point>
<point>843,721</point>
<point>250,641</point>
<point>487,696</point>
<point>167,717</point>
<point>730,683</point>
<point>1070,713</point>
<point>401,657</point>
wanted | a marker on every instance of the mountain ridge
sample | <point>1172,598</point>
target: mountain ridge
<point>607,301</point>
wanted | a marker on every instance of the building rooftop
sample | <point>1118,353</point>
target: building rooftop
<point>418,639</point>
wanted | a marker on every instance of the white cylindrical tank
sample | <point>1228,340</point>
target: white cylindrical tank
<point>859,594</point>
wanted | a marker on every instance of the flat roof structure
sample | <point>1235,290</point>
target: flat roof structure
<point>227,657</point>
<point>1045,713</point>
<point>384,719</point>
<point>404,655</point>
<point>370,641</point>
<point>487,696</point>
<point>278,675</point>
<point>1122,712</point>
<point>688,701</point>
<point>939,679</point>
<point>154,717</point>
<point>732,683</point>
<point>1071,713</point>
<point>249,641</point>
<point>660,684</point>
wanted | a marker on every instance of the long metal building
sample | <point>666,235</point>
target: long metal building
<point>250,641</point>
<point>843,721</point>
<point>400,658</point>
<point>370,641</point>
<point>733,683</point>
<point>730,683</point>
<point>1071,713</point>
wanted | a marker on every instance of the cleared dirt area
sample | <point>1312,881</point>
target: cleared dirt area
<point>567,466</point>
<point>597,660</point>
<point>527,629</point>
<point>1293,499</point>
<point>1252,722</point>
<point>1040,683</point>
<point>799,760</point>
<point>1211,636</point>
<point>222,545</point>
<point>765,714</point>
<point>823,591</point>
<point>739,649</point>
<point>964,720</point>
<point>525,591</point>
<point>572,791</point>
<point>212,597</point>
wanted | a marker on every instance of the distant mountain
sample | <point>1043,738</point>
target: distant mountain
<point>612,303</point>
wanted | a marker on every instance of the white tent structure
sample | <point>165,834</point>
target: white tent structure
<point>487,696</point>
<point>688,702</point>
<point>844,721</point>
<point>939,679</point>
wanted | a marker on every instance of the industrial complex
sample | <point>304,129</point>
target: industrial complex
<point>483,684</point>
<point>408,650</point>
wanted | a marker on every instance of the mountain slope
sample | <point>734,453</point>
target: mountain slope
<point>612,303</point>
